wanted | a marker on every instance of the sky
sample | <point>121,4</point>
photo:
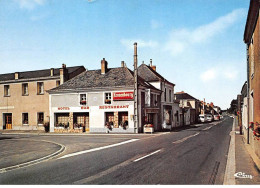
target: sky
<point>195,44</point>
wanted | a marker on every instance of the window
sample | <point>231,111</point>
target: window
<point>108,98</point>
<point>83,99</point>
<point>40,88</point>
<point>40,118</point>
<point>57,83</point>
<point>165,93</point>
<point>6,90</point>
<point>170,96</point>
<point>252,59</point>
<point>62,120</point>
<point>109,119</point>
<point>25,89</point>
<point>123,119</point>
<point>25,118</point>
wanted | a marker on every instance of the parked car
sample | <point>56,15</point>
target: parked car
<point>216,117</point>
<point>209,117</point>
<point>202,118</point>
<point>221,117</point>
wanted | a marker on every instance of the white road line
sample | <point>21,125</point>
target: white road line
<point>147,155</point>
<point>97,149</point>
<point>184,139</point>
<point>207,128</point>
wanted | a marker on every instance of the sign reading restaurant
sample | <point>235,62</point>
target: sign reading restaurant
<point>122,96</point>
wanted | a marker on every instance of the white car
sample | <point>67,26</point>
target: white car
<point>209,117</point>
<point>216,117</point>
<point>202,118</point>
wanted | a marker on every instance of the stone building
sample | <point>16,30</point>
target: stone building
<point>169,117</point>
<point>24,103</point>
<point>103,101</point>
<point>252,40</point>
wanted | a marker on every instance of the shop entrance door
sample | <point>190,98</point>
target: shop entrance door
<point>8,121</point>
<point>81,120</point>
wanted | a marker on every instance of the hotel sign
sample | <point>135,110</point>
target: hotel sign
<point>123,96</point>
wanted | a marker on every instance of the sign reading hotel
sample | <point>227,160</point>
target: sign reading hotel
<point>122,96</point>
<point>63,108</point>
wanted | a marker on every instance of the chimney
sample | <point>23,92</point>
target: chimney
<point>63,74</point>
<point>52,71</point>
<point>103,66</point>
<point>151,65</point>
<point>16,75</point>
<point>122,64</point>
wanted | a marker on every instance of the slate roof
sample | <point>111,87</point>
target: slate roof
<point>150,75</point>
<point>93,79</point>
<point>182,95</point>
<point>36,74</point>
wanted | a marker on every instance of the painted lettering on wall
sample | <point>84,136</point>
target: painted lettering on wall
<point>63,108</point>
<point>84,107</point>
<point>113,107</point>
<point>121,96</point>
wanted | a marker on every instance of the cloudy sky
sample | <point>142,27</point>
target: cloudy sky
<point>196,44</point>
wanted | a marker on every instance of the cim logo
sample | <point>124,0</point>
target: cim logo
<point>243,175</point>
<point>121,96</point>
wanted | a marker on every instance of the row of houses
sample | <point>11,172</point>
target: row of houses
<point>73,99</point>
<point>247,104</point>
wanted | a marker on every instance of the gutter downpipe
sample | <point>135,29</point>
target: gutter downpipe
<point>248,88</point>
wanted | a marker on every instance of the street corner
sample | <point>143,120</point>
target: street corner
<point>26,152</point>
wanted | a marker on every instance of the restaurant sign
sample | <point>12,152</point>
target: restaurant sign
<point>122,96</point>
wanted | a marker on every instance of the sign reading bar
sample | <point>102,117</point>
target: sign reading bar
<point>113,107</point>
<point>121,96</point>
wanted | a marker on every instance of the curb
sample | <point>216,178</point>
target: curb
<point>36,161</point>
<point>229,178</point>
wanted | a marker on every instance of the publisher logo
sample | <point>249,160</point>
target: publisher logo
<point>243,175</point>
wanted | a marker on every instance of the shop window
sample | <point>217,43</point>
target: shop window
<point>80,120</point>
<point>6,90</point>
<point>83,99</point>
<point>25,117</point>
<point>40,118</point>
<point>25,89</point>
<point>108,98</point>
<point>110,119</point>
<point>40,88</point>
<point>57,83</point>
<point>62,120</point>
<point>123,119</point>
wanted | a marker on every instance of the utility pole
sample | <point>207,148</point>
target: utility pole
<point>204,106</point>
<point>135,90</point>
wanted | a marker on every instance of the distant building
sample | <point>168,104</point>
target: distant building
<point>252,40</point>
<point>24,103</point>
<point>190,105</point>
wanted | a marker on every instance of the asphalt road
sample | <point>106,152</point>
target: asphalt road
<point>197,155</point>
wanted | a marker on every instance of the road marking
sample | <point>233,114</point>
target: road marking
<point>147,156</point>
<point>184,139</point>
<point>97,149</point>
<point>165,133</point>
<point>207,128</point>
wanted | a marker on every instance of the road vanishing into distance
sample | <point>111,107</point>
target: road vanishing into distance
<point>196,155</point>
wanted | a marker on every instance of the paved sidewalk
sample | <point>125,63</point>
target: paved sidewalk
<point>16,153</point>
<point>245,166</point>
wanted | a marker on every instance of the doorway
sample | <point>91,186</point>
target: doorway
<point>7,121</point>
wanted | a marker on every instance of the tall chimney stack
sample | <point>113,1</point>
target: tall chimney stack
<point>103,66</point>
<point>63,74</point>
<point>16,75</point>
<point>52,71</point>
<point>122,64</point>
<point>151,65</point>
